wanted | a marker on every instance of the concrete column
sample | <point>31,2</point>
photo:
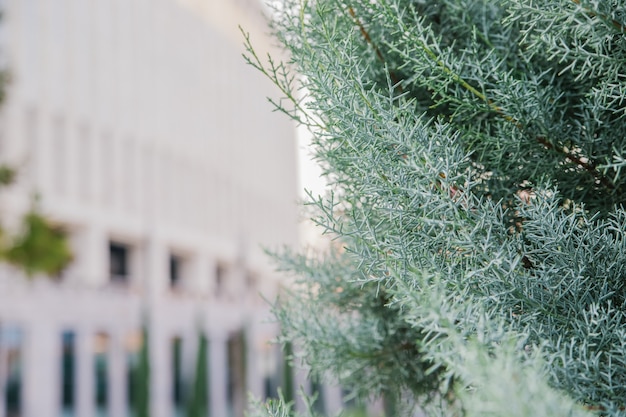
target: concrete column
<point>92,265</point>
<point>155,283</point>
<point>30,147</point>
<point>73,176</point>
<point>85,404</point>
<point>117,375</point>
<point>41,370</point>
<point>137,268</point>
<point>11,143</point>
<point>41,149</point>
<point>156,269</point>
<point>218,373</point>
<point>200,275</point>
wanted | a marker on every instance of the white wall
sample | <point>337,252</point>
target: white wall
<point>132,116</point>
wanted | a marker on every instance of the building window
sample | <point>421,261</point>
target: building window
<point>101,373</point>
<point>177,376</point>
<point>11,369</point>
<point>220,272</point>
<point>136,374</point>
<point>236,384</point>
<point>119,262</point>
<point>176,271</point>
<point>270,356</point>
<point>318,389</point>
<point>68,372</point>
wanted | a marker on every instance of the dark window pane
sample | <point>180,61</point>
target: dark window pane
<point>236,388</point>
<point>219,279</point>
<point>177,374</point>
<point>68,373</point>
<point>11,355</point>
<point>317,389</point>
<point>138,372</point>
<point>175,270</point>
<point>101,373</point>
<point>118,262</point>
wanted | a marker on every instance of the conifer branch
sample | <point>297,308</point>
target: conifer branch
<point>617,25</point>
<point>589,166</point>
<point>376,49</point>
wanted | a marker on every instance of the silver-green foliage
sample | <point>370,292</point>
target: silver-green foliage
<point>474,150</point>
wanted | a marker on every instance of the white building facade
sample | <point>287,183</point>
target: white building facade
<point>149,141</point>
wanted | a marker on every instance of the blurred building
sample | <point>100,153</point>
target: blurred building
<point>150,143</point>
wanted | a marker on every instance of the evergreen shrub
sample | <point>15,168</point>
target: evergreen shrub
<point>473,150</point>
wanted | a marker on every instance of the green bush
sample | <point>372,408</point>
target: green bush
<point>473,151</point>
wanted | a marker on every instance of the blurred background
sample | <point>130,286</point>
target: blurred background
<point>142,173</point>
